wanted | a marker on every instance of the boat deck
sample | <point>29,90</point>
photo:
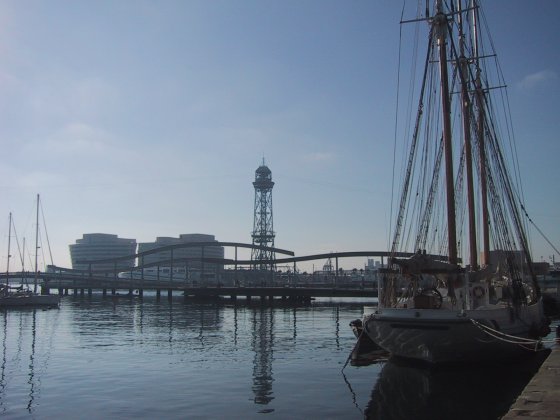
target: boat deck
<point>541,397</point>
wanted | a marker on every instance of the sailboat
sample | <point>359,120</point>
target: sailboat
<point>467,292</point>
<point>19,296</point>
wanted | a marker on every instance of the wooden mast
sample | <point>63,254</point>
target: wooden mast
<point>440,22</point>
<point>481,145</point>
<point>466,119</point>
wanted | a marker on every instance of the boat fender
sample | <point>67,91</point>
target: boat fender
<point>478,291</point>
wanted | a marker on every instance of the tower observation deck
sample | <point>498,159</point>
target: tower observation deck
<point>263,228</point>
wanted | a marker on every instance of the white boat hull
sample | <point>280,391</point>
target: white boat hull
<point>441,336</point>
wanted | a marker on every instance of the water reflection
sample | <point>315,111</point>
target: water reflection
<point>409,392</point>
<point>204,335</point>
<point>3,367</point>
<point>262,344</point>
<point>193,327</point>
<point>337,330</point>
<point>137,318</point>
<point>31,374</point>
<point>235,326</point>
<point>16,324</point>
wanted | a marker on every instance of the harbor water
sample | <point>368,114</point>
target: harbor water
<point>120,357</point>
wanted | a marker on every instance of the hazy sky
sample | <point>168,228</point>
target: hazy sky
<point>149,118</point>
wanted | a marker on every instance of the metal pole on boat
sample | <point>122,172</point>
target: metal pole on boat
<point>36,247</point>
<point>9,245</point>
<point>23,276</point>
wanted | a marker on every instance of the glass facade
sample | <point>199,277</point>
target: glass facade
<point>99,246</point>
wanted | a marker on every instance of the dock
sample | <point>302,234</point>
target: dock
<point>541,397</point>
<point>304,293</point>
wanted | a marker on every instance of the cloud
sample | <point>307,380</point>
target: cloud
<point>537,79</point>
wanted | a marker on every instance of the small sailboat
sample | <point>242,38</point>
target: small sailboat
<point>19,296</point>
<point>469,291</point>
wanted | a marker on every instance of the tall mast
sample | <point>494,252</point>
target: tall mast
<point>9,247</point>
<point>23,276</point>
<point>440,22</point>
<point>466,119</point>
<point>36,247</point>
<point>481,144</point>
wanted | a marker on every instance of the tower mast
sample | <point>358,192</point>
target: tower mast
<point>263,229</point>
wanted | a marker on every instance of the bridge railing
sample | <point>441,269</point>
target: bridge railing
<point>228,278</point>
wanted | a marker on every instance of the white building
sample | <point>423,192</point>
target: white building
<point>189,257</point>
<point>99,246</point>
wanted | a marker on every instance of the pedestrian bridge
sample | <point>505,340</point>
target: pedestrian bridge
<point>215,277</point>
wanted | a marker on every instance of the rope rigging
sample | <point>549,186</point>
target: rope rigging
<point>459,147</point>
<point>538,229</point>
<point>512,339</point>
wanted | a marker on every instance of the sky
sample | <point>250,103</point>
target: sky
<point>149,118</point>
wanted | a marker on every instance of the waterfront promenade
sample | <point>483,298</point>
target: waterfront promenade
<point>541,397</point>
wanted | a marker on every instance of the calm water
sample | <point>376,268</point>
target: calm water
<point>130,358</point>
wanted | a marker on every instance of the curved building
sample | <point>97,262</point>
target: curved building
<point>189,256</point>
<point>98,246</point>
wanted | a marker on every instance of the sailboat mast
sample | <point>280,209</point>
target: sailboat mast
<point>9,247</point>
<point>23,276</point>
<point>481,143</point>
<point>440,22</point>
<point>466,119</point>
<point>36,247</point>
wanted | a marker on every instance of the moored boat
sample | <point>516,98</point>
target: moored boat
<point>480,301</point>
<point>20,296</point>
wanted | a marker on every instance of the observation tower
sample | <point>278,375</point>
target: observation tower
<point>263,229</point>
